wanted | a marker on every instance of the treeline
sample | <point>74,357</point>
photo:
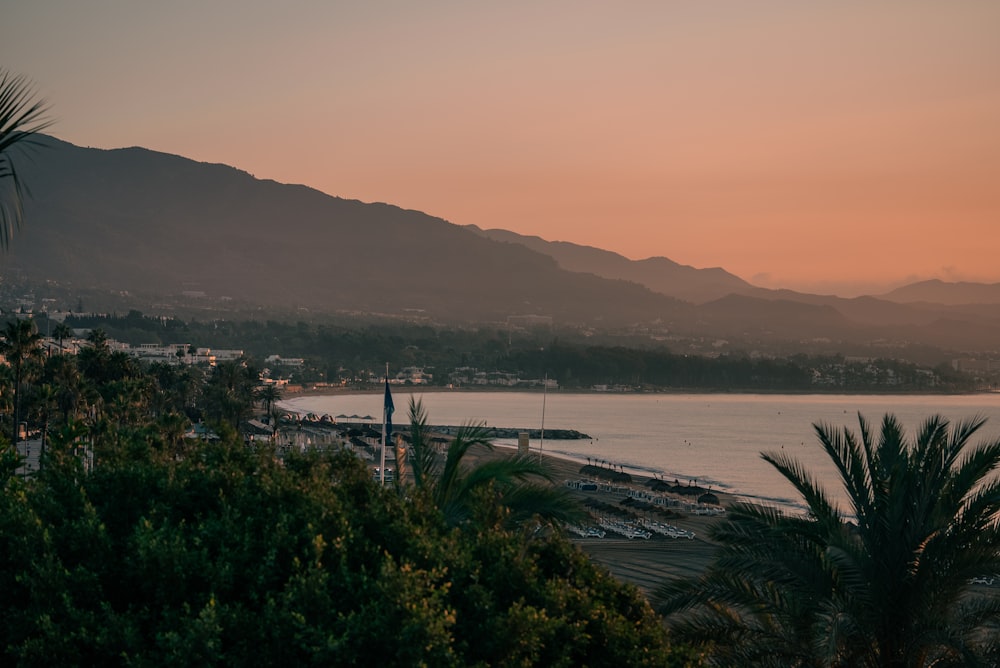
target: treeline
<point>347,353</point>
<point>577,366</point>
<point>585,366</point>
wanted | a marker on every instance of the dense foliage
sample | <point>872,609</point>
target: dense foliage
<point>136,544</point>
<point>229,557</point>
<point>889,582</point>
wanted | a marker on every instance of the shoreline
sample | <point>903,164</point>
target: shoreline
<point>643,563</point>
<point>300,391</point>
<point>687,465</point>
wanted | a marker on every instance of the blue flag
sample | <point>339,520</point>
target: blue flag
<point>388,408</point>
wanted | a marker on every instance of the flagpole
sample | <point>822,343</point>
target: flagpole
<point>541,441</point>
<point>385,412</point>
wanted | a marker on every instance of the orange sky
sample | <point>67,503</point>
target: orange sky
<point>825,146</point>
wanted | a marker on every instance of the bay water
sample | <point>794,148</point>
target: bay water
<point>714,440</point>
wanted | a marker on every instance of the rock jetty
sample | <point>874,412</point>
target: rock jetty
<point>512,432</point>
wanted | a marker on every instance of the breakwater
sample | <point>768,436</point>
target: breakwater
<point>372,428</point>
<point>511,432</point>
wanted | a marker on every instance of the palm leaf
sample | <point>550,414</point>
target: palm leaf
<point>422,459</point>
<point>892,590</point>
<point>519,484</point>
<point>21,117</point>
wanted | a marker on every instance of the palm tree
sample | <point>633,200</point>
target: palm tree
<point>268,395</point>
<point>45,400</point>
<point>21,343</point>
<point>62,331</point>
<point>275,416</point>
<point>887,584</point>
<point>172,427</point>
<point>21,117</point>
<point>61,371</point>
<point>94,360</point>
<point>457,487</point>
<point>229,392</point>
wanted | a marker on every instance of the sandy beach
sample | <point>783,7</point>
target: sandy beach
<point>642,562</point>
<point>645,562</point>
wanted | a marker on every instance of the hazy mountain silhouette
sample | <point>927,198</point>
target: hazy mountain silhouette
<point>950,315</point>
<point>656,273</point>
<point>156,225</point>
<point>939,292</point>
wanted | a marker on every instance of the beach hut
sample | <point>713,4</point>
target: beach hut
<point>709,498</point>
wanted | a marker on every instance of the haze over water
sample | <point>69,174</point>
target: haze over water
<point>715,439</point>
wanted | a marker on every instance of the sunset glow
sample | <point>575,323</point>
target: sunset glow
<point>822,146</point>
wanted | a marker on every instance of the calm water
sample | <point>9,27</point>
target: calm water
<point>714,439</point>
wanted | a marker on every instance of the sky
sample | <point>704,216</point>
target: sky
<point>828,146</point>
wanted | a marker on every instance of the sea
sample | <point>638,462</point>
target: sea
<point>712,440</point>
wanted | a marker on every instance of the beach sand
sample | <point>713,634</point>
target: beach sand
<point>645,563</point>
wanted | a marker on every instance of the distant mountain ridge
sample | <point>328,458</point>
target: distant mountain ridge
<point>155,224</point>
<point>931,310</point>
<point>657,273</point>
<point>940,292</point>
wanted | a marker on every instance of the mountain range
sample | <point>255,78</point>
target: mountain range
<point>160,227</point>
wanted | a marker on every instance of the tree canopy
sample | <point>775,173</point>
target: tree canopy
<point>229,555</point>
<point>889,581</point>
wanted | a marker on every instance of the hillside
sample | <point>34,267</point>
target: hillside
<point>156,226</point>
<point>952,316</point>
<point>659,274</point>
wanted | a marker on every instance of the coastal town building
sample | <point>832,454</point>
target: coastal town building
<point>278,360</point>
<point>412,375</point>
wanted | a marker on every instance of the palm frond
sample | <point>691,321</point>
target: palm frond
<point>515,488</point>
<point>892,590</point>
<point>422,459</point>
<point>22,116</point>
<point>545,501</point>
<point>852,462</point>
<point>468,436</point>
<point>815,497</point>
